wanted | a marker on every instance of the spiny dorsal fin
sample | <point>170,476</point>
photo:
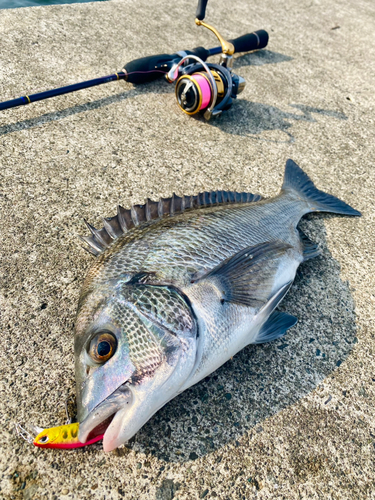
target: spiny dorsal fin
<point>116,226</point>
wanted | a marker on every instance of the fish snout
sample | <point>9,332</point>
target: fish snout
<point>98,420</point>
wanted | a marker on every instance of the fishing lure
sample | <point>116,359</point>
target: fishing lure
<point>60,437</point>
<point>63,437</point>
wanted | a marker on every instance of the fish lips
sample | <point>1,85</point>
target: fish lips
<point>99,419</point>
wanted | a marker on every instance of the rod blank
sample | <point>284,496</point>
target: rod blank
<point>28,99</point>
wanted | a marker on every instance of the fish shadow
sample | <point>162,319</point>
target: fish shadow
<point>262,380</point>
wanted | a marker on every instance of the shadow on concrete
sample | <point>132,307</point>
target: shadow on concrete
<point>247,118</point>
<point>262,380</point>
<point>259,58</point>
<point>60,115</point>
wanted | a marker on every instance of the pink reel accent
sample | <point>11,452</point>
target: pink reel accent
<point>203,84</point>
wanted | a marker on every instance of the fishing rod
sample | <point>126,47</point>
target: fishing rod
<point>201,87</point>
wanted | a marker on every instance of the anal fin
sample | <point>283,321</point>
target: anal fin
<point>276,326</point>
<point>310,249</point>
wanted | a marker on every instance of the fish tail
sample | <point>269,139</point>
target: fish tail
<point>295,180</point>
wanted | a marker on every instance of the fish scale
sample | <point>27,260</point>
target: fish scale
<point>180,286</point>
<point>144,350</point>
<point>191,243</point>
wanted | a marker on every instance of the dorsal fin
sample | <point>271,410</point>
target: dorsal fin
<point>116,226</point>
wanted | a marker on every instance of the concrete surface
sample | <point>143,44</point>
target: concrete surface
<point>290,420</point>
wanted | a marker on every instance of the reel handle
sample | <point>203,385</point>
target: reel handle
<point>252,41</point>
<point>201,10</point>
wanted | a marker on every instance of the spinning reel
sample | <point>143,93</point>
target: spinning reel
<point>201,87</point>
<point>205,87</point>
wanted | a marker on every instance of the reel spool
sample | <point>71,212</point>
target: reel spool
<point>204,87</point>
<point>194,92</point>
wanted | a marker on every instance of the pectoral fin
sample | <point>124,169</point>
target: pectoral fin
<point>247,278</point>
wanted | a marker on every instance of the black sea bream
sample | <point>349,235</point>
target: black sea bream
<point>177,288</point>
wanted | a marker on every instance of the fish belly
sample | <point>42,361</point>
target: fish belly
<point>222,340</point>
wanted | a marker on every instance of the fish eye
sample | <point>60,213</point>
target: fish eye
<point>102,347</point>
<point>43,440</point>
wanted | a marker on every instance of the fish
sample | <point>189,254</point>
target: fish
<point>62,437</point>
<point>177,288</point>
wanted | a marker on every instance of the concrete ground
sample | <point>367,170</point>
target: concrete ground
<point>290,420</point>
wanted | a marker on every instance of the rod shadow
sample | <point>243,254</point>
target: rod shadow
<point>262,380</point>
<point>60,115</point>
<point>245,118</point>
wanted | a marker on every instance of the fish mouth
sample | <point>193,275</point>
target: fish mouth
<point>100,429</point>
<point>99,420</point>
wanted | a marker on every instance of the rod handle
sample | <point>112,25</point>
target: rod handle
<point>251,41</point>
<point>150,68</point>
<point>146,69</point>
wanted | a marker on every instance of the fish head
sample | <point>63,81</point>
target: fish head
<point>135,346</point>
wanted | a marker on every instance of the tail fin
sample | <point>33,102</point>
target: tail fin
<point>296,180</point>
